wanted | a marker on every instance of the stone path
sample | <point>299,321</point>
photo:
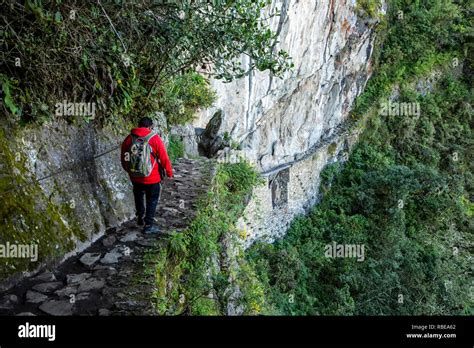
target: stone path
<point>107,278</point>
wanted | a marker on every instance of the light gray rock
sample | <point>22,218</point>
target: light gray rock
<point>274,120</point>
<point>277,121</point>
<point>66,291</point>
<point>47,287</point>
<point>12,298</point>
<point>130,237</point>
<point>111,257</point>
<point>187,135</point>
<point>104,272</point>
<point>35,297</point>
<point>77,278</point>
<point>26,314</point>
<point>104,312</point>
<point>5,303</point>
<point>126,305</point>
<point>45,277</point>
<point>88,259</point>
<point>109,241</point>
<point>91,284</point>
<point>57,308</point>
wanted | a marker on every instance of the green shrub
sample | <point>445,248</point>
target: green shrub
<point>120,54</point>
<point>183,95</point>
<point>175,148</point>
<point>368,7</point>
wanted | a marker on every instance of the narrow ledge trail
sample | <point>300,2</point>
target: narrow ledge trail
<point>107,278</point>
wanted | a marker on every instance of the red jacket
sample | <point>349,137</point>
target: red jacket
<point>158,149</point>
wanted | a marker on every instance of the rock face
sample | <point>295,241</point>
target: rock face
<point>188,137</point>
<point>284,126</point>
<point>88,259</point>
<point>77,183</point>
<point>210,141</point>
<point>98,189</point>
<point>275,119</point>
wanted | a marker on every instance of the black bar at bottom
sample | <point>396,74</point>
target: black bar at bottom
<point>432,331</point>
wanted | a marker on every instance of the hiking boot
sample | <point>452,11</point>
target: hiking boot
<point>151,229</point>
<point>140,221</point>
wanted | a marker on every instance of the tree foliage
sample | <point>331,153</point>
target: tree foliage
<point>119,53</point>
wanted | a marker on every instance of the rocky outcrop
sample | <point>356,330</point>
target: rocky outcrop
<point>292,190</point>
<point>210,141</point>
<point>284,126</point>
<point>275,119</point>
<point>73,178</point>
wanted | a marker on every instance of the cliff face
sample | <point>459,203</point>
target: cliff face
<point>275,120</point>
<point>62,187</point>
<point>285,126</point>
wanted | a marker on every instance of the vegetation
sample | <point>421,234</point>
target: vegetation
<point>182,96</point>
<point>127,55</point>
<point>405,192</point>
<point>416,37</point>
<point>369,8</point>
<point>175,148</point>
<point>193,272</point>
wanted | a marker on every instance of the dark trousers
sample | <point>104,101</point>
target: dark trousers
<point>152,194</point>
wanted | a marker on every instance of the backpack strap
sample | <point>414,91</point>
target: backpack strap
<point>157,161</point>
<point>149,136</point>
<point>147,139</point>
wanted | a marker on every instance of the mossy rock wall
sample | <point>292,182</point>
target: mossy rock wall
<point>64,213</point>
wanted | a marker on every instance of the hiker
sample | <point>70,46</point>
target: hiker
<point>145,159</point>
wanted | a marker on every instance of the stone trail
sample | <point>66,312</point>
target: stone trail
<point>107,278</point>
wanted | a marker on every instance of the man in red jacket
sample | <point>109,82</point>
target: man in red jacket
<point>148,186</point>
